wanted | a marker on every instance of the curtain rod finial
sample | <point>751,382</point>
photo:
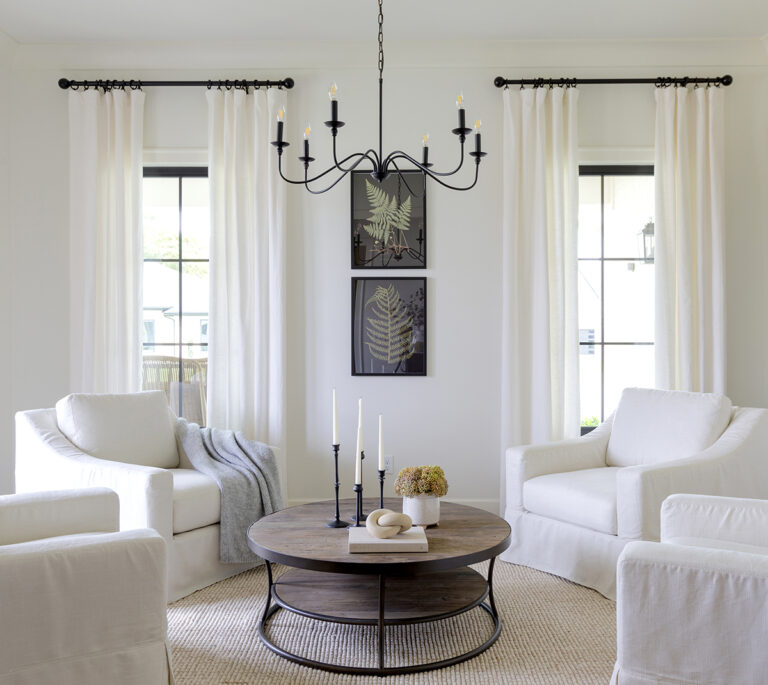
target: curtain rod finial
<point>288,82</point>
<point>498,81</point>
<point>727,80</point>
<point>64,83</point>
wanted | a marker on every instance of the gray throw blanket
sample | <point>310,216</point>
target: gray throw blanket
<point>246,473</point>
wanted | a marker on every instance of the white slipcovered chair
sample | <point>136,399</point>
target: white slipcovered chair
<point>127,443</point>
<point>573,505</point>
<point>81,604</point>
<point>694,608</point>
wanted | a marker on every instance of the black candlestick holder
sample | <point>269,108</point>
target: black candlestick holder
<point>359,516</point>
<point>337,522</point>
<point>381,488</point>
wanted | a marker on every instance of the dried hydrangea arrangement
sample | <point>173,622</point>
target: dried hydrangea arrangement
<point>413,481</point>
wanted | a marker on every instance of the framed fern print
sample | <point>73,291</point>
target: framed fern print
<point>389,326</point>
<point>389,221</point>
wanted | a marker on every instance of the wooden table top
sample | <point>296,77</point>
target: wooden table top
<point>298,537</point>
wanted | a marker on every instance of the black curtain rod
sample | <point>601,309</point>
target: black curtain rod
<point>65,83</point>
<point>661,81</point>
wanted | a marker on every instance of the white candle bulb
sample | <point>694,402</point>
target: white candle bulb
<point>478,123</point>
<point>460,101</point>
<point>381,447</point>
<point>425,140</point>
<point>281,114</point>
<point>333,91</point>
<point>307,131</point>
<point>359,454</point>
<point>335,421</point>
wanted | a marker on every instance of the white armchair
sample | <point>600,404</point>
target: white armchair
<point>127,443</point>
<point>694,608</point>
<point>573,505</point>
<point>81,603</point>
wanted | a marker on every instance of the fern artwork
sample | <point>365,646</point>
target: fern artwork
<point>389,326</point>
<point>389,221</point>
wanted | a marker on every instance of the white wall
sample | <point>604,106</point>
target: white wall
<point>451,417</point>
<point>7,49</point>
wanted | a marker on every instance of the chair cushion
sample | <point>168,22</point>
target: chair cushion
<point>585,498</point>
<point>196,500</point>
<point>133,428</point>
<point>653,426</point>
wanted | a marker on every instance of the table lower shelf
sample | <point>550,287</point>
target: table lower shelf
<point>346,598</point>
<point>382,601</point>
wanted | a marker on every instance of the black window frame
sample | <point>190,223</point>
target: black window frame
<point>180,172</point>
<point>603,170</point>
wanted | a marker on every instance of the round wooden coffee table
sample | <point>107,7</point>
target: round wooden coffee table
<point>327,583</point>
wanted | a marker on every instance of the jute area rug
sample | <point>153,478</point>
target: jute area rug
<point>554,632</point>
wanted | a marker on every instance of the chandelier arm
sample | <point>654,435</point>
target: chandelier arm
<point>324,190</point>
<point>361,156</point>
<point>399,154</point>
<point>431,173</point>
<point>366,154</point>
<point>450,187</point>
<point>283,176</point>
<point>400,174</point>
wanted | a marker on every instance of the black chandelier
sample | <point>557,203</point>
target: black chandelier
<point>381,166</point>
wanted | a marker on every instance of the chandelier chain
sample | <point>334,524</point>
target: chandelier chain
<point>381,39</point>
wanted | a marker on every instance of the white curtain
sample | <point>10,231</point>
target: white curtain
<point>540,330</point>
<point>246,365</point>
<point>105,142</point>
<point>690,282</point>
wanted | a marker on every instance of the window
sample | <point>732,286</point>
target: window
<point>616,285</point>
<point>176,222</point>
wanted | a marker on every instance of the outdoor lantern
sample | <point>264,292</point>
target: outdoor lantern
<point>648,242</point>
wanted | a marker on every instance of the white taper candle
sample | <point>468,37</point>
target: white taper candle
<point>359,455</point>
<point>381,447</point>
<point>335,421</point>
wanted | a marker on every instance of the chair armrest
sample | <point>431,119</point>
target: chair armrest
<point>687,614</point>
<point>46,460</point>
<point>733,466</point>
<point>731,519</point>
<point>36,515</point>
<point>80,595</point>
<point>529,461</point>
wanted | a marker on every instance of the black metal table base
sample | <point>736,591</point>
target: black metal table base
<point>274,604</point>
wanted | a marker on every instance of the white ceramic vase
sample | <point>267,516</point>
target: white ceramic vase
<point>424,510</point>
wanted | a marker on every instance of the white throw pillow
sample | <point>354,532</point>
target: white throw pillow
<point>133,428</point>
<point>653,426</point>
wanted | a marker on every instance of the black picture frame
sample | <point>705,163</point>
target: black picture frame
<point>384,236</point>
<point>379,346</point>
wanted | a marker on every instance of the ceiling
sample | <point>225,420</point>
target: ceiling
<point>99,21</point>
